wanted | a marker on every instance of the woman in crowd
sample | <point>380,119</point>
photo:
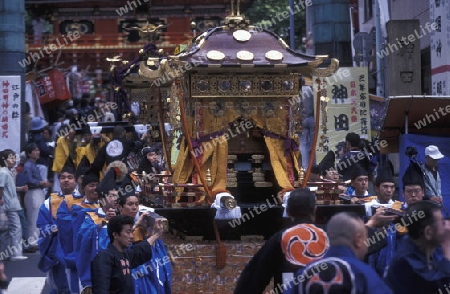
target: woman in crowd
<point>35,196</point>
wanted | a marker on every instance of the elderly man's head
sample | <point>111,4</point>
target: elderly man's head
<point>432,156</point>
<point>426,227</point>
<point>347,229</point>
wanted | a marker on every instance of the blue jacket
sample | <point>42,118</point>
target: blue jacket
<point>358,276</point>
<point>49,247</point>
<point>65,224</point>
<point>410,273</point>
<point>91,238</point>
<point>154,276</point>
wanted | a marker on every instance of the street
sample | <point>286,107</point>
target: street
<point>25,277</point>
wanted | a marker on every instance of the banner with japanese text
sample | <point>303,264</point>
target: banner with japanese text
<point>344,107</point>
<point>439,47</point>
<point>10,113</point>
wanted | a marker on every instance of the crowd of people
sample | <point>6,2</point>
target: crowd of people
<point>351,256</point>
<point>60,200</point>
<point>397,247</point>
<point>75,202</point>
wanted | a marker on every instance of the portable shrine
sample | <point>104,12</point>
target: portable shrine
<point>233,100</point>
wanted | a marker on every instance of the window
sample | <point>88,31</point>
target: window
<point>368,10</point>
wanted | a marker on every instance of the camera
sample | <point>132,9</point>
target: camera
<point>152,217</point>
<point>411,151</point>
<point>150,221</point>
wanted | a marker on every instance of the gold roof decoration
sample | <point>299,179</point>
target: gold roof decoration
<point>242,35</point>
<point>236,21</point>
<point>245,55</point>
<point>215,55</point>
<point>200,40</point>
<point>324,72</point>
<point>274,55</point>
<point>283,43</point>
<point>249,48</point>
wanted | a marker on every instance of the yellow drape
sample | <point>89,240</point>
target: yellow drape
<point>214,156</point>
<point>278,161</point>
<point>208,118</point>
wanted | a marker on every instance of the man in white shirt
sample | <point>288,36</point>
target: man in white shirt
<point>432,177</point>
<point>11,240</point>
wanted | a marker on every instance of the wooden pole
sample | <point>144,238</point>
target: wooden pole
<point>312,153</point>
<point>162,130</point>
<point>188,138</point>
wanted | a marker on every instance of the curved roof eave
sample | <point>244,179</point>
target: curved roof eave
<point>260,42</point>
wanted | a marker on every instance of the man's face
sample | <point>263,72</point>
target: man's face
<point>34,155</point>
<point>413,194</point>
<point>152,156</point>
<point>111,199</point>
<point>87,137</point>
<point>46,134</point>
<point>10,161</point>
<point>385,191</point>
<point>67,182</point>
<point>131,206</point>
<point>332,175</point>
<point>430,162</point>
<point>125,238</point>
<point>90,193</point>
<point>360,184</point>
<point>438,230</point>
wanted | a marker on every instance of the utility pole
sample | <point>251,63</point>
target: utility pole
<point>291,26</point>
<point>380,70</point>
<point>12,50</point>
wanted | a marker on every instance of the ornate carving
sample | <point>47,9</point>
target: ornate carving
<point>208,86</point>
<point>162,67</point>
<point>327,71</point>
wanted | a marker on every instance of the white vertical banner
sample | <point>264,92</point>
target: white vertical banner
<point>352,35</point>
<point>384,16</point>
<point>10,113</point>
<point>439,47</point>
<point>344,107</point>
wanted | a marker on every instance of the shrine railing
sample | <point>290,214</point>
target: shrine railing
<point>101,41</point>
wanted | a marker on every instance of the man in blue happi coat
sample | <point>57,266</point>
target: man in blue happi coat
<point>92,235</point>
<point>52,256</point>
<point>384,187</point>
<point>423,264</point>
<point>67,220</point>
<point>342,269</point>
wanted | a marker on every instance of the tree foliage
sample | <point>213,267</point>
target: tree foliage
<point>263,11</point>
